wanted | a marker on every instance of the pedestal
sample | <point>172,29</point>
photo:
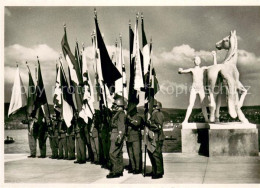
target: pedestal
<point>233,139</point>
<point>194,137</point>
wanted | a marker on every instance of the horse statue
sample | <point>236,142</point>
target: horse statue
<point>227,71</point>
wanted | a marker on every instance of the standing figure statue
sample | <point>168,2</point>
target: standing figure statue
<point>230,75</point>
<point>197,87</point>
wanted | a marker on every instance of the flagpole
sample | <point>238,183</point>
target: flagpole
<point>121,58</point>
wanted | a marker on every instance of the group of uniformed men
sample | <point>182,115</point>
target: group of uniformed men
<point>101,140</point>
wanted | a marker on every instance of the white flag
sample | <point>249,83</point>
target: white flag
<point>19,97</point>
<point>138,81</point>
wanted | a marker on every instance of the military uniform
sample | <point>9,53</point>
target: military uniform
<point>90,156</point>
<point>32,136</point>
<point>71,142</point>
<point>94,139</point>
<point>156,136</point>
<point>53,138</point>
<point>104,137</point>
<point>42,136</point>
<point>63,147</point>
<point>134,124</point>
<point>80,141</point>
<point>117,142</point>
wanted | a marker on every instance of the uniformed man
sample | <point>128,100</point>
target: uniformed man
<point>134,137</point>
<point>117,139</point>
<point>94,136</point>
<point>32,135</point>
<point>71,142</point>
<point>89,156</point>
<point>63,147</point>
<point>156,136</point>
<point>104,137</point>
<point>51,128</point>
<point>42,134</point>
<point>80,139</point>
<point>55,138</point>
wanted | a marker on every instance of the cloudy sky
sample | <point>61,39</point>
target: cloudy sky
<point>178,33</point>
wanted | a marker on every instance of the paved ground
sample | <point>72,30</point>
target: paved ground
<point>179,168</point>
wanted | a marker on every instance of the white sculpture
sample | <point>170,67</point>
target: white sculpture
<point>230,75</point>
<point>197,86</point>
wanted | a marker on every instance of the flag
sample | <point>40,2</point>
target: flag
<point>109,72</point>
<point>133,98</point>
<point>18,97</point>
<point>72,62</point>
<point>146,54</point>
<point>67,101</point>
<point>153,88</point>
<point>88,98</point>
<point>121,83</point>
<point>138,79</point>
<point>57,91</point>
<point>75,73</point>
<point>78,57</point>
<point>31,93</point>
<point>41,99</point>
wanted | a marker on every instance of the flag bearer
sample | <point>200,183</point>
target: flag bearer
<point>134,124</point>
<point>71,142</point>
<point>155,125</point>
<point>80,139</point>
<point>32,135</point>
<point>63,147</point>
<point>53,138</point>
<point>42,135</point>
<point>94,136</point>
<point>117,139</point>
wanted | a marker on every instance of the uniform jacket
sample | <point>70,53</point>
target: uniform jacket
<point>118,125</point>
<point>133,129</point>
<point>62,129</point>
<point>157,125</point>
<point>33,128</point>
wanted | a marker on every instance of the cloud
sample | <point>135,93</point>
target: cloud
<point>7,12</point>
<point>247,58</point>
<point>21,53</point>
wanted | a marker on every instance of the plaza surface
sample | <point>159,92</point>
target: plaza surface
<point>179,168</point>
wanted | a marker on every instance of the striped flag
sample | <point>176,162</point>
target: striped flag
<point>19,97</point>
<point>67,101</point>
<point>72,62</point>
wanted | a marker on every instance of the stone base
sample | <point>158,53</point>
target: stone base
<point>194,137</point>
<point>233,139</point>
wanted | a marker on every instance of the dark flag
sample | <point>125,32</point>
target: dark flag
<point>31,93</point>
<point>41,98</point>
<point>109,72</point>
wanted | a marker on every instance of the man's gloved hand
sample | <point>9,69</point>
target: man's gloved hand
<point>90,134</point>
<point>118,140</point>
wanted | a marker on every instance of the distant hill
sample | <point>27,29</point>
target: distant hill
<point>170,114</point>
